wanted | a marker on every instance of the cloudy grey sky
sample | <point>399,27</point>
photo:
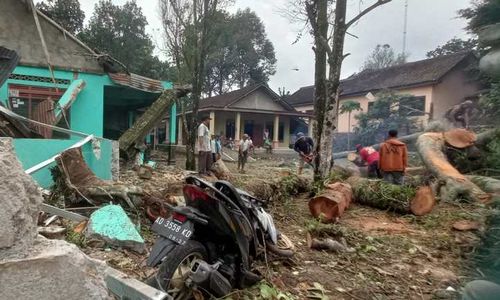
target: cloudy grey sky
<point>430,23</point>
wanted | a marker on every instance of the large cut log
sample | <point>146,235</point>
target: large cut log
<point>402,199</point>
<point>460,138</point>
<point>331,203</point>
<point>452,184</point>
<point>148,120</point>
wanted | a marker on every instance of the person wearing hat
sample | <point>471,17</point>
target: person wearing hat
<point>371,157</point>
<point>244,146</point>
<point>304,146</point>
<point>204,149</point>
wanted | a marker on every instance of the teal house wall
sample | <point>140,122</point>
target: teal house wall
<point>98,108</point>
<point>33,151</point>
<point>87,111</point>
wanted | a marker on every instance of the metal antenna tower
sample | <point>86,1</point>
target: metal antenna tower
<point>404,28</point>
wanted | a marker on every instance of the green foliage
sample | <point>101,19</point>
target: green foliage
<point>490,104</point>
<point>262,291</point>
<point>75,238</point>
<point>482,13</point>
<point>66,13</point>
<point>455,45</point>
<point>120,31</point>
<point>383,56</point>
<point>486,256</point>
<point>380,194</point>
<point>388,111</point>
<point>240,53</point>
<point>492,159</point>
<point>349,107</point>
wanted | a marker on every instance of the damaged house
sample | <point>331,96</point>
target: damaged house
<point>60,81</point>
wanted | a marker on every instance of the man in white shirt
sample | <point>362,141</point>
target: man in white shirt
<point>244,146</point>
<point>204,149</point>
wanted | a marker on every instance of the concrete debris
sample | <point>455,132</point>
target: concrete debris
<point>145,172</point>
<point>20,198</point>
<point>56,270</point>
<point>112,225</point>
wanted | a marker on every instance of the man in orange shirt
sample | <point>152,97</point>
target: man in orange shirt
<point>393,158</point>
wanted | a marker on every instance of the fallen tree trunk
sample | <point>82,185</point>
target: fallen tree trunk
<point>331,204</point>
<point>452,184</point>
<point>220,170</point>
<point>487,184</point>
<point>148,120</point>
<point>279,189</point>
<point>81,180</point>
<point>402,199</point>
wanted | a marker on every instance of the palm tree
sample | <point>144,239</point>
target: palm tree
<point>348,107</point>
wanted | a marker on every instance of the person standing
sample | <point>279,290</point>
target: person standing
<point>204,149</point>
<point>371,157</point>
<point>393,159</point>
<point>213,148</point>
<point>244,147</point>
<point>304,146</point>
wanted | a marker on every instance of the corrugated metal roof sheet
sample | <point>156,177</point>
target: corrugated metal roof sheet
<point>137,82</point>
<point>8,62</point>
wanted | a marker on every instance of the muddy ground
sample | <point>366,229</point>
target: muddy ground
<point>395,257</point>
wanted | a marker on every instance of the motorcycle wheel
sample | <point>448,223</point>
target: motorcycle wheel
<point>284,247</point>
<point>174,270</point>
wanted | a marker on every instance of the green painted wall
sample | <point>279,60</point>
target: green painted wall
<point>33,151</point>
<point>87,111</point>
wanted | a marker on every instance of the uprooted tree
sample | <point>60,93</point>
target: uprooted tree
<point>328,48</point>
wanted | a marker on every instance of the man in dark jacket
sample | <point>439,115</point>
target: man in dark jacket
<point>393,158</point>
<point>303,146</point>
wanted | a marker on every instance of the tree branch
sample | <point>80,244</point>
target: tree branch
<point>365,11</point>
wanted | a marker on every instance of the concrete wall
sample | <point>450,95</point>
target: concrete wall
<point>343,127</point>
<point>452,90</point>
<point>33,151</point>
<point>18,32</point>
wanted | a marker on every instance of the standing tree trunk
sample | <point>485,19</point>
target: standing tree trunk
<point>326,106</point>
<point>317,12</point>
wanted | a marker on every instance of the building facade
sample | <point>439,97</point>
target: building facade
<point>435,84</point>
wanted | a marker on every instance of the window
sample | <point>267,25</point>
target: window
<point>370,106</point>
<point>412,106</point>
<point>36,103</point>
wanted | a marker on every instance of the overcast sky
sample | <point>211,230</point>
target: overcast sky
<point>430,23</point>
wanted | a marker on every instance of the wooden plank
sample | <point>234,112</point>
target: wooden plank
<point>62,213</point>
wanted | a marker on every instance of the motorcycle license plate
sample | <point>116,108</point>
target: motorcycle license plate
<point>173,230</point>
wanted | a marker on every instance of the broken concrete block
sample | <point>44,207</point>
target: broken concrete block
<point>55,270</point>
<point>112,225</point>
<point>20,200</point>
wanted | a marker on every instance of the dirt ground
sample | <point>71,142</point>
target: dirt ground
<point>395,257</point>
